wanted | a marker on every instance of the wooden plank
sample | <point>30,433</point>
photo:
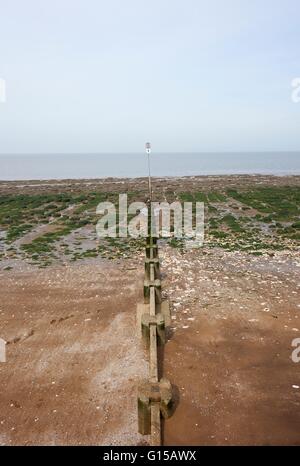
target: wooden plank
<point>153,366</point>
<point>152,301</point>
<point>152,278</point>
<point>155,438</point>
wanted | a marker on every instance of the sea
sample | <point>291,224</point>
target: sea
<point>129,165</point>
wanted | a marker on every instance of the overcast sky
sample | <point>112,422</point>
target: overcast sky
<point>189,75</point>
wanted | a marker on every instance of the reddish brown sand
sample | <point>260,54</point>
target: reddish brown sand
<point>73,358</point>
<point>230,353</point>
<point>73,362</point>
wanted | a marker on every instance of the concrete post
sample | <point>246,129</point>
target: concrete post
<point>155,439</point>
<point>151,251</point>
<point>154,396</point>
<point>156,284</point>
<point>155,262</point>
<point>151,241</point>
<point>144,414</point>
<point>151,394</point>
<point>159,321</point>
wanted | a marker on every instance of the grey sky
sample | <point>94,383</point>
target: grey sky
<point>92,75</point>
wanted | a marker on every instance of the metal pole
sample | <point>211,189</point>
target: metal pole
<point>148,151</point>
<point>150,189</point>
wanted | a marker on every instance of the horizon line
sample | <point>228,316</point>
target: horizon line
<point>156,152</point>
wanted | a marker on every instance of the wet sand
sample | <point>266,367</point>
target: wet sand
<point>73,357</point>
<point>234,320</point>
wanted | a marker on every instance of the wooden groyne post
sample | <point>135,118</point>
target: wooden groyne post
<point>154,393</point>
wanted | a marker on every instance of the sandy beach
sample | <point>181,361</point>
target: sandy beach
<point>68,310</point>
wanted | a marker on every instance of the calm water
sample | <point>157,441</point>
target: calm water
<point>59,166</point>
